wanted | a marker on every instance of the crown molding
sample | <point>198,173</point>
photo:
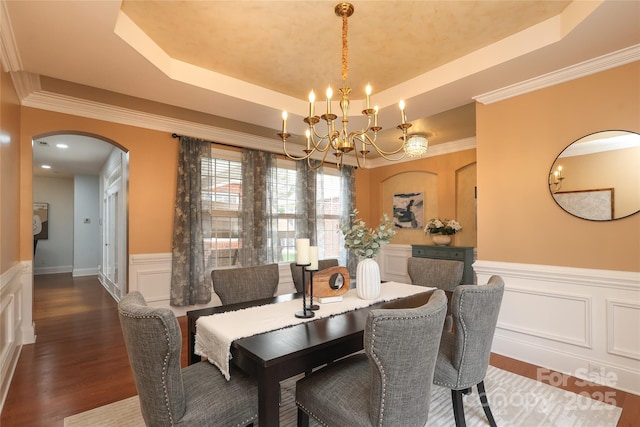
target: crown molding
<point>9,54</point>
<point>602,63</point>
<point>29,85</point>
<point>93,110</point>
<point>432,151</point>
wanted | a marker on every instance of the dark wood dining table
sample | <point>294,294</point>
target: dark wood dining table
<point>277,355</point>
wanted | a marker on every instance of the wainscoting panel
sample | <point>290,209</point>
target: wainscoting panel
<point>620,316</point>
<point>550,315</point>
<point>580,322</point>
<point>393,263</point>
<point>150,274</point>
<point>16,327</point>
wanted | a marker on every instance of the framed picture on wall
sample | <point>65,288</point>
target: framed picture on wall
<point>40,221</point>
<point>408,210</point>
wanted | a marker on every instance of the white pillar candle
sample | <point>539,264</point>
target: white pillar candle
<point>302,251</point>
<point>313,258</point>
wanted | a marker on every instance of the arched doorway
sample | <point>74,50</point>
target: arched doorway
<point>84,189</point>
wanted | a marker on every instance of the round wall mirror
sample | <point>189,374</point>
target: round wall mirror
<point>597,177</point>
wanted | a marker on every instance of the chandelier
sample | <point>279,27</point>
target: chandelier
<point>341,142</point>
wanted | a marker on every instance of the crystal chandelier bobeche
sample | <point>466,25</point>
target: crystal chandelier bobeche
<point>342,141</point>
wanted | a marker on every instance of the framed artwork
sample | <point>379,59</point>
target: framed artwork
<point>40,221</point>
<point>596,205</point>
<point>408,210</point>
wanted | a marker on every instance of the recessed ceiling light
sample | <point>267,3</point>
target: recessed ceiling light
<point>45,167</point>
<point>62,146</point>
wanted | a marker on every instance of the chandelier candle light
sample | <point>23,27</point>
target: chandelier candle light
<point>341,142</point>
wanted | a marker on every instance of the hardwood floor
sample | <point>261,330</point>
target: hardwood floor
<point>79,360</point>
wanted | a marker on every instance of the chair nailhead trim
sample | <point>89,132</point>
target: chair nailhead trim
<point>311,414</point>
<point>164,364</point>
<point>377,360</point>
<point>464,343</point>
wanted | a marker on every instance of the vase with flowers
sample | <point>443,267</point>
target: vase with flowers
<point>366,243</point>
<point>442,230</point>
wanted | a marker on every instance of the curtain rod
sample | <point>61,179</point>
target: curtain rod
<point>175,135</point>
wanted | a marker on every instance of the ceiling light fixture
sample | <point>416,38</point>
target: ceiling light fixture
<point>342,141</point>
<point>416,145</point>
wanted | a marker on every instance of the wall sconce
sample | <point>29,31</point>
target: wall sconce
<point>555,180</point>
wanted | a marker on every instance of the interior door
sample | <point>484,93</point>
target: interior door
<point>114,254</point>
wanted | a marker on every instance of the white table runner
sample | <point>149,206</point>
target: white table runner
<point>215,333</point>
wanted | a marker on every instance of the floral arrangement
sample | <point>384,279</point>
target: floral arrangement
<point>438,226</point>
<point>366,242</point>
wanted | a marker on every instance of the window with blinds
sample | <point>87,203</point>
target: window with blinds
<point>222,194</point>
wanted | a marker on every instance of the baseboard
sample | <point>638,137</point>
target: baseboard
<point>81,272</point>
<point>53,270</point>
<point>592,370</point>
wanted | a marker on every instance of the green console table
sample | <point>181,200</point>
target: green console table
<point>458,253</point>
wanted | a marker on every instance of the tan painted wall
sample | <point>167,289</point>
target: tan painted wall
<point>152,176</point>
<point>518,140</point>
<point>447,182</point>
<point>9,174</point>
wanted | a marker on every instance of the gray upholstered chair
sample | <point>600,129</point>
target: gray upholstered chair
<point>464,353</point>
<point>242,284</point>
<point>443,274</point>
<point>388,385</point>
<point>197,395</point>
<point>296,271</point>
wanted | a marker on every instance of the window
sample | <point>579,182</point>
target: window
<point>221,196</point>
<point>221,191</point>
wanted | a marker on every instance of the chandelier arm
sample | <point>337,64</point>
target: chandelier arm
<point>317,146</point>
<point>293,157</point>
<point>382,152</point>
<point>364,159</point>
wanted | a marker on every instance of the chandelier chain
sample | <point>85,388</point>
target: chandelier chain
<point>345,48</point>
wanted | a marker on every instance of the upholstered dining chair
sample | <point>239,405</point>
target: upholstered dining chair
<point>296,271</point>
<point>242,284</point>
<point>443,274</point>
<point>387,385</point>
<point>464,352</point>
<point>197,395</point>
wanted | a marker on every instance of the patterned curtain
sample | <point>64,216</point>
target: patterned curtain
<point>306,196</point>
<point>349,204</point>
<point>188,283</point>
<point>258,232</point>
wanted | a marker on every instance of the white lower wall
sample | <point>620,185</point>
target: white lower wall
<point>16,325</point>
<point>150,274</point>
<point>581,322</point>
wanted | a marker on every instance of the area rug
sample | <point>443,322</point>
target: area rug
<point>514,400</point>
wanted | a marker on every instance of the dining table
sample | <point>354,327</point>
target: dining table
<point>276,355</point>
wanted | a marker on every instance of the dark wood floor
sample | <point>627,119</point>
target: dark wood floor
<point>79,361</point>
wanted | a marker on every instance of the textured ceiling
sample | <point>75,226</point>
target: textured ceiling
<point>293,47</point>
